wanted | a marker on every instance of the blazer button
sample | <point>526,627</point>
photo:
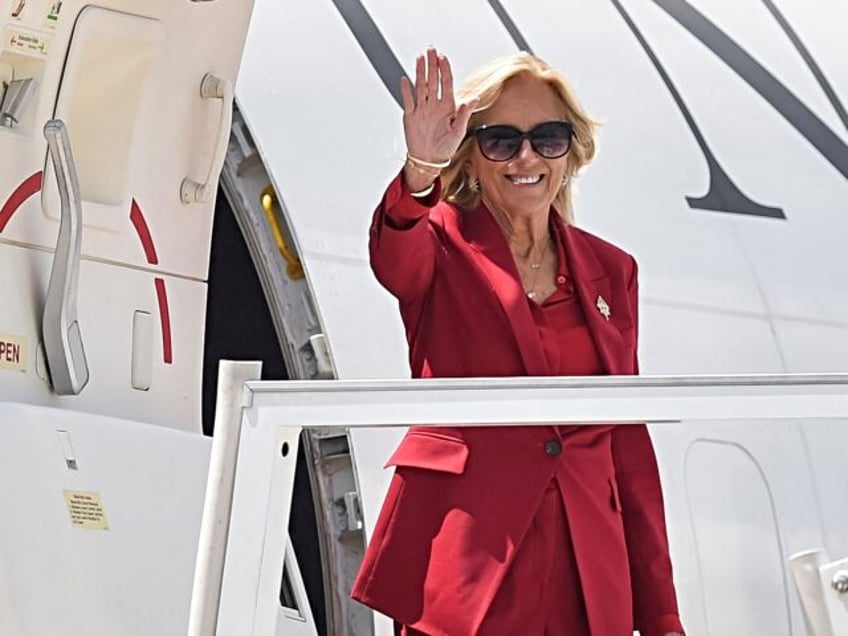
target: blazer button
<point>553,447</point>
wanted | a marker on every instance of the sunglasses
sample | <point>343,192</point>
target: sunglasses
<point>500,142</point>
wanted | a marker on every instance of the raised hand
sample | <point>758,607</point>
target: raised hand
<point>433,124</point>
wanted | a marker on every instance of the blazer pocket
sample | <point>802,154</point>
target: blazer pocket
<point>615,500</point>
<point>431,452</point>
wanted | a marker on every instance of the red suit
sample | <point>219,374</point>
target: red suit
<point>461,500</point>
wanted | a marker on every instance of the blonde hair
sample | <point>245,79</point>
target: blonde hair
<point>487,83</point>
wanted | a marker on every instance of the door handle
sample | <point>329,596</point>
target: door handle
<point>212,87</point>
<point>63,345</point>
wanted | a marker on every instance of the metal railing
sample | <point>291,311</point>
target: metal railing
<point>266,418</point>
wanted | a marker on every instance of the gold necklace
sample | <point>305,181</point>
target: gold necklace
<point>532,293</point>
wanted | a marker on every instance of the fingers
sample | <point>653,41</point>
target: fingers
<point>433,83</point>
<point>446,80</point>
<point>406,94</point>
<point>420,83</point>
<point>432,74</point>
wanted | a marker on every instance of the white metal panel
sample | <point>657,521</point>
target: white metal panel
<point>135,577</point>
<point>735,522</point>
<point>410,26</point>
<point>736,513</point>
<point>173,129</point>
<point>691,339</point>
<point>826,446</point>
<point>809,346</point>
<point>109,297</point>
<point>256,544</point>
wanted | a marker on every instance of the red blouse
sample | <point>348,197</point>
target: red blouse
<point>562,326</point>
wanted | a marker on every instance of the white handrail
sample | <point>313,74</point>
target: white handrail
<point>212,87</point>
<point>63,343</point>
<point>274,414</point>
<point>212,543</point>
<point>546,400</point>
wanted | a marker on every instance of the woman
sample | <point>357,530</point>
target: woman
<point>525,530</point>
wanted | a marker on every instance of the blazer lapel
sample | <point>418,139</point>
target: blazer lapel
<point>593,289</point>
<point>491,253</point>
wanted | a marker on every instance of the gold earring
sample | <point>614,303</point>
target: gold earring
<point>473,184</point>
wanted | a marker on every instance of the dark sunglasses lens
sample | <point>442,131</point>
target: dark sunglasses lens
<point>499,143</point>
<point>551,140</point>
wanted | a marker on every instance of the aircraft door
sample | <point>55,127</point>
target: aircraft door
<point>140,124</point>
<point>146,101</point>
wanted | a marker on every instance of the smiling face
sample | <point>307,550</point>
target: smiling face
<point>526,185</point>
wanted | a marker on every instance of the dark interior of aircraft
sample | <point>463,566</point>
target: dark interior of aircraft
<point>239,327</point>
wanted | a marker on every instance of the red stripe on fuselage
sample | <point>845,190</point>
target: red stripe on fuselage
<point>143,231</point>
<point>165,319</point>
<point>33,184</point>
<point>23,192</point>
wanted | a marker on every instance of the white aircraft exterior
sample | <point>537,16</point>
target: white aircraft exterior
<point>723,167</point>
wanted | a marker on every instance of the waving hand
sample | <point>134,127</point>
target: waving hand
<point>433,124</point>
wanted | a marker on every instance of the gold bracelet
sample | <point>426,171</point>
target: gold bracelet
<point>427,173</point>
<point>438,165</point>
<point>423,193</point>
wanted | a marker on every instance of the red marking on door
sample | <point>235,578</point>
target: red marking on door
<point>23,192</point>
<point>143,231</point>
<point>165,319</point>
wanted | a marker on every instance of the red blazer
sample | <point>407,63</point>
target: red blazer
<point>461,499</point>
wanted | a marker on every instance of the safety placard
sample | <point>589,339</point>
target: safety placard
<point>26,42</point>
<point>13,353</point>
<point>86,509</point>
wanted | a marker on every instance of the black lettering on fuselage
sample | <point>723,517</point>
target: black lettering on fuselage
<point>374,45</point>
<point>510,26</point>
<point>792,109</point>
<point>811,63</point>
<point>723,195</point>
<point>380,54</point>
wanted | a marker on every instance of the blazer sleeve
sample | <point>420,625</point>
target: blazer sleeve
<point>403,243</point>
<point>654,600</point>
